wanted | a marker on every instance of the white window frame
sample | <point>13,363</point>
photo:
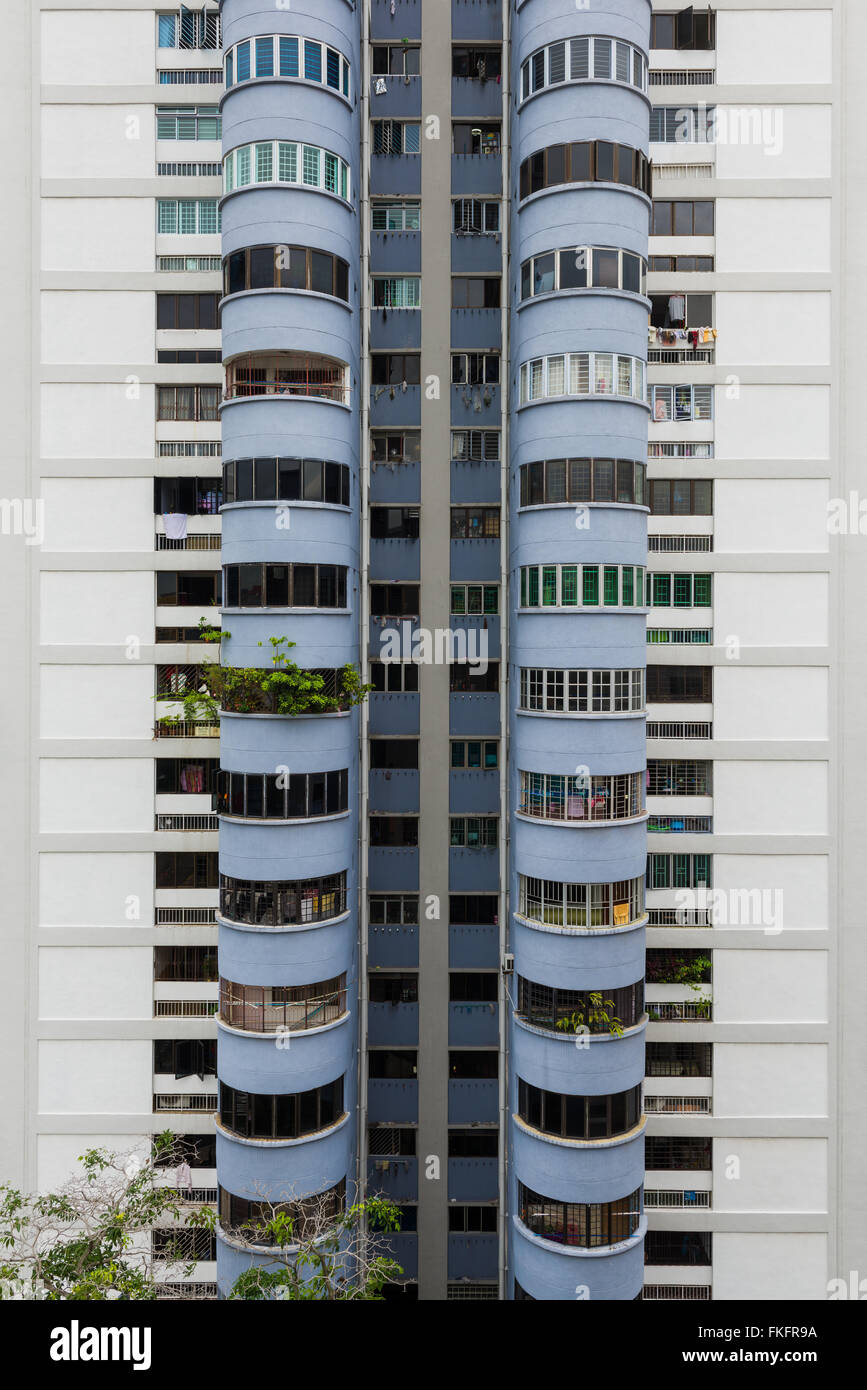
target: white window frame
<point>574,70</point>
<point>232,160</point>
<point>587,369</point>
<point>344,80</point>
<point>588,252</point>
<point>404,291</point>
<point>200,203</point>
<point>566,691</point>
<point>678,404</point>
<point>483,205</point>
<point>638,588</point>
<point>395,214</point>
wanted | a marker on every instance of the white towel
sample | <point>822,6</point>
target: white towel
<point>176,525</point>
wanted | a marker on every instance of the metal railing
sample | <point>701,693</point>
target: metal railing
<point>185,1008</point>
<point>674,449</point>
<point>186,820</point>
<point>674,356</point>
<point>199,542</point>
<point>185,917</point>
<point>680,729</point>
<point>189,728</point>
<point>661,1198</point>
<point>676,1293</point>
<point>679,636</point>
<point>324,383</point>
<point>240,1008</point>
<point>677,1105</point>
<point>683,171</point>
<point>679,1011</point>
<point>678,917</point>
<point>183,1102</point>
<point>680,825</point>
<point>670,545</point>
<point>688,77</point>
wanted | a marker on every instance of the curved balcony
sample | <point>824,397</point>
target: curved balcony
<point>281,1009</point>
<point>287,376</point>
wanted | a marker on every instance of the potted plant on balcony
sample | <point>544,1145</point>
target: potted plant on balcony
<point>595,1018</point>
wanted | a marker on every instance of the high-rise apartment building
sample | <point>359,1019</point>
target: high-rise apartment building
<point>485,347</point>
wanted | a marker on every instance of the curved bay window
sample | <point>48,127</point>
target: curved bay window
<point>253,1116</point>
<point>583,480</point>
<point>583,268</point>
<point>286,268</point>
<point>546,1007</point>
<point>552,691</point>
<point>282,903</point>
<point>556,796</point>
<point>580,586</point>
<point>311,1216</point>
<point>586,1225</point>
<point>583,60</point>
<point>286,162</point>
<point>286,480</point>
<point>284,586</point>
<point>555,904</point>
<point>285,55</point>
<point>283,796</point>
<point>282,1008</point>
<point>585,161</point>
<point>579,1117</point>
<point>287,374</point>
<point>583,374</point>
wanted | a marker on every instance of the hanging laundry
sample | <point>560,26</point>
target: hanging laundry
<point>677,308</point>
<point>176,525</point>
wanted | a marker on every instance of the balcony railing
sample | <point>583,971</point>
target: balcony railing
<point>677,1105</point>
<point>670,545</point>
<point>185,1008</point>
<point>680,729</point>
<point>679,1011</point>
<point>189,728</point>
<point>186,820</point>
<point>206,542</point>
<point>680,825</point>
<point>684,77</point>
<point>682,171</point>
<point>185,917</point>
<point>182,1103</point>
<point>678,917</point>
<point>318,378</point>
<point>676,1293</point>
<point>679,636</point>
<point>661,1198</point>
<point>245,1007</point>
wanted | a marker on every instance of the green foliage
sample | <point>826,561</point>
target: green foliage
<point>595,1017</point>
<point>284,688</point>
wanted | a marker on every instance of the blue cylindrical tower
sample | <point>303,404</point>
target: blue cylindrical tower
<point>578,444</point>
<point>287,1054</point>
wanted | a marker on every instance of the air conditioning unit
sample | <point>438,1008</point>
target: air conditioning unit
<point>508,963</point>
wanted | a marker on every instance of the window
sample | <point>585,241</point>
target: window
<point>189,28</point>
<point>189,123</point>
<point>579,1117</point>
<point>480,215</point>
<point>393,909</point>
<point>475,753</point>
<point>679,777</point>
<point>681,265</point>
<point>679,685</point>
<point>679,310</point>
<point>473,1143</point>
<point>395,217</point>
<point>189,263</point>
<point>552,690</point>
<point>394,600</point>
<point>386,1064</point>
<point>679,871</point>
<point>480,64</point>
<point>547,1007</point>
<point>678,1059</point>
<point>583,374</point>
<point>199,1151</point>
<point>285,586</point>
<point>553,481</point>
<point>282,902</point>
<point>179,870</point>
<point>282,796</point>
<point>475,292</point>
<point>395,446</point>
<point>475,368</point>
<point>473,909</point>
<point>678,1248</point>
<point>310,1215</point>
<point>286,55</point>
<point>560,797</point>
<point>287,374</point>
<point>664,1152</point>
<point>396,137</point>
<point>664,966</point>
<point>683,217</point>
<point>473,832</point>
<point>286,480</point>
<point>395,60</point>
<point>186,1244</point>
<point>476,445</point>
<point>394,753</point>
<point>583,1225</point>
<point>395,368</point>
<point>475,598</point>
<point>391,987</point>
<point>583,60</point>
<point>286,268</point>
<point>186,776</point>
<point>282,1008</point>
<point>594,161</point>
<point>680,125</point>
<point>398,832</point>
<point>394,523</point>
<point>558,904</point>
<point>285,161</point>
<point>681,497</point>
<point>478,139</point>
<point>185,1057</point>
<point>391,676</point>
<point>397,292</point>
<point>188,311</point>
<point>194,496</point>
<point>679,590</point>
<point>473,1066</point>
<point>691,28</point>
<point>193,588</point>
<point>578,586</point>
<point>678,403</point>
<point>465,678</point>
<point>187,216</point>
<point>183,357</point>
<point>472,1219</point>
<point>475,523</point>
<point>193,964</point>
<point>581,268</point>
<point>255,1116</point>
